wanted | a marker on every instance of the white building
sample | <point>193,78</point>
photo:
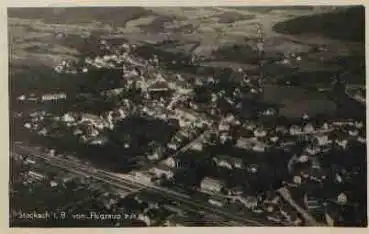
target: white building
<point>259,147</point>
<point>353,132</point>
<point>158,86</point>
<point>58,69</point>
<point>362,140</point>
<point>142,176</point>
<point>216,202</point>
<point>171,162</point>
<point>303,159</point>
<point>313,150</point>
<point>173,145</point>
<point>323,140</point>
<point>28,125</point>
<point>214,98</point>
<point>274,139</point>
<point>21,98</point>
<point>153,156</point>
<point>342,143</point>
<point>222,163</point>
<point>223,126</point>
<point>99,141</point>
<point>295,130</point>
<point>30,161</point>
<point>77,131</point>
<point>252,168</point>
<point>36,175</point>
<point>269,112</point>
<point>359,125</point>
<point>43,132</point>
<point>90,118</point>
<point>130,74</point>
<point>228,161</point>
<point>244,143</point>
<point>53,184</point>
<point>162,170</point>
<point>67,117</point>
<point>259,132</point>
<point>211,185</point>
<point>305,117</point>
<point>186,114</point>
<point>309,128</point>
<point>325,126</point>
<point>197,146</point>
<point>237,190</point>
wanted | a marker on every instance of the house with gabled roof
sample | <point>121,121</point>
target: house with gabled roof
<point>228,161</point>
<point>162,170</point>
<point>211,185</point>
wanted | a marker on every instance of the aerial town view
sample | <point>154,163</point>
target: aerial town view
<point>187,116</point>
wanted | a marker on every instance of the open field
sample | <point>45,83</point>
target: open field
<point>296,102</point>
<point>223,35</point>
<point>209,26</point>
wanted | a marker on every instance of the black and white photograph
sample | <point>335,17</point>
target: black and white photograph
<point>178,116</point>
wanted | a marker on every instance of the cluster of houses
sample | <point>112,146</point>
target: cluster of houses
<point>321,138</point>
<point>272,207</point>
<point>253,137</point>
<point>85,125</point>
<point>110,60</point>
<point>67,67</point>
<point>291,58</point>
<point>89,126</point>
<point>259,138</point>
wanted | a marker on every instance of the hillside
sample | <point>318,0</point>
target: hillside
<point>224,36</point>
